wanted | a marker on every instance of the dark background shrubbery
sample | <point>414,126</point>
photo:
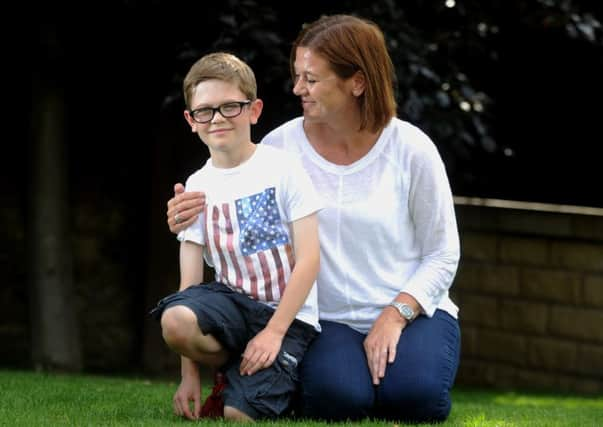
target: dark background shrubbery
<point>533,67</point>
<point>510,91</point>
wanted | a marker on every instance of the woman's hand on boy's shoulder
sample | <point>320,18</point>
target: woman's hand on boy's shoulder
<point>184,208</point>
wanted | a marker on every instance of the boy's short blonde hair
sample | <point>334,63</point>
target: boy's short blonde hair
<point>221,66</point>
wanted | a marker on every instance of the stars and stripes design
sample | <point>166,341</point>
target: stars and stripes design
<point>249,245</point>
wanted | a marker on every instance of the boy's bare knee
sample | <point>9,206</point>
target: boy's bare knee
<point>177,326</point>
<point>234,414</point>
<point>181,333</point>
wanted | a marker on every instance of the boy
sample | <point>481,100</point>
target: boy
<point>259,231</point>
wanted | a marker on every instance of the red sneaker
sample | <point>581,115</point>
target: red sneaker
<point>214,404</point>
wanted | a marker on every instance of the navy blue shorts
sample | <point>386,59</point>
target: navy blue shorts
<point>234,319</point>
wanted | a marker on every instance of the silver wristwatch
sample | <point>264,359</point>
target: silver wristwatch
<point>405,310</point>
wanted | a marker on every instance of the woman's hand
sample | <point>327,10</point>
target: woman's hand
<point>184,208</point>
<point>382,341</point>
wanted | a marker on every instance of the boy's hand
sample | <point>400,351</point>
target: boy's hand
<point>260,352</point>
<point>189,391</point>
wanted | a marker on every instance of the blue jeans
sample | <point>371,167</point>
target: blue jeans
<point>336,382</point>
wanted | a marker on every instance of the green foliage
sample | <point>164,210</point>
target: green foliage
<point>35,399</point>
<point>497,85</point>
<point>453,61</point>
<point>250,30</point>
<point>449,56</point>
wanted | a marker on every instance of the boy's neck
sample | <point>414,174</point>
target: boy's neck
<point>232,159</point>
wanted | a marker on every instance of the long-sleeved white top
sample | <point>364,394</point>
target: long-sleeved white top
<point>388,224</point>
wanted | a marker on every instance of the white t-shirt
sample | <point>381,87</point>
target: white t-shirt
<point>388,224</point>
<point>245,228</point>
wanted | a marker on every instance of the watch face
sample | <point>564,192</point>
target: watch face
<point>406,311</point>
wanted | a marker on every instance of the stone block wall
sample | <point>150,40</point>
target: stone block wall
<point>529,288</point>
<point>530,292</point>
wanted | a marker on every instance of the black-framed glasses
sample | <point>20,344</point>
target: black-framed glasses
<point>227,110</point>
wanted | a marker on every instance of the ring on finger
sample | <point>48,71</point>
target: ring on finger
<point>177,219</point>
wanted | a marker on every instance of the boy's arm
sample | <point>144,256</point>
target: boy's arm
<point>191,273</point>
<point>307,261</point>
<point>263,349</point>
<point>191,264</point>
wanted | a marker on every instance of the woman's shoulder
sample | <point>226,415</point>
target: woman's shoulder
<point>409,131</point>
<point>407,142</point>
<point>277,158</point>
<point>285,135</point>
<point>410,136</point>
<point>273,152</point>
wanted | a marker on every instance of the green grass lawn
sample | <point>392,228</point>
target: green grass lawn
<point>36,399</point>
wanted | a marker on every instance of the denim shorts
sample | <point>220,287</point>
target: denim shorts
<point>234,319</point>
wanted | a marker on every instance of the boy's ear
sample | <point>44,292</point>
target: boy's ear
<point>189,119</point>
<point>255,110</point>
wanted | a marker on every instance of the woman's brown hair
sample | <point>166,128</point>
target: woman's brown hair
<point>351,44</point>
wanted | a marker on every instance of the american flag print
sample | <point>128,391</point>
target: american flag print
<point>249,245</point>
<point>260,222</point>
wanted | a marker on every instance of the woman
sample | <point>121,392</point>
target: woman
<point>390,340</point>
